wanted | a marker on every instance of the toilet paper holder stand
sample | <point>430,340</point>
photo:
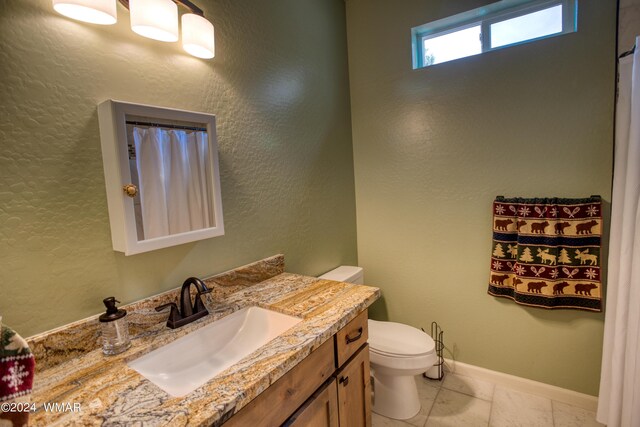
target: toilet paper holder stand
<point>436,372</point>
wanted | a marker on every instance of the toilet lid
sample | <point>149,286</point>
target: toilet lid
<point>398,339</point>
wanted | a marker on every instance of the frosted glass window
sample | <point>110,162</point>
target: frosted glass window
<point>452,46</point>
<point>526,27</point>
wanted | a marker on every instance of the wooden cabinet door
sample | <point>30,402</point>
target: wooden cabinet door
<point>354,391</point>
<point>321,410</point>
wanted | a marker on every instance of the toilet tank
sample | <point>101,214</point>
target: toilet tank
<point>345,273</point>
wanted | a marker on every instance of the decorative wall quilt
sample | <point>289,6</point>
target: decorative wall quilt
<point>546,252</point>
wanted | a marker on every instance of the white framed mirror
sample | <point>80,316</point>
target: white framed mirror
<point>162,177</point>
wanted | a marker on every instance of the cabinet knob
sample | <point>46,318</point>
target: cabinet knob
<point>344,381</point>
<point>130,190</point>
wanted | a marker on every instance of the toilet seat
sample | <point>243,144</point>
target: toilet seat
<point>390,365</point>
<point>400,356</point>
<point>392,339</point>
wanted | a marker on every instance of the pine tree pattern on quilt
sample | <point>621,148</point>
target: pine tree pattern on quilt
<point>546,252</point>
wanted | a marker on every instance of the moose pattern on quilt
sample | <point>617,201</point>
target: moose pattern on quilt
<point>546,252</point>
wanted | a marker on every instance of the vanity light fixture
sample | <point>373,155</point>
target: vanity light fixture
<point>102,12</point>
<point>197,36</point>
<point>155,19</point>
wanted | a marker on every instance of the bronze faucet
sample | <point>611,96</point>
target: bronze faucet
<point>188,312</point>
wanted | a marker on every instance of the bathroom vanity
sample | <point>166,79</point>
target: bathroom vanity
<point>315,373</point>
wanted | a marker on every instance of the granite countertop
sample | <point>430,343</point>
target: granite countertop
<point>108,392</point>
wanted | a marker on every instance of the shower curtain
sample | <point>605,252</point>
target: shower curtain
<point>619,399</point>
<point>172,169</point>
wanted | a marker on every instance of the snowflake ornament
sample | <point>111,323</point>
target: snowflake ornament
<point>497,265</point>
<point>520,270</point>
<point>500,209</point>
<point>592,210</point>
<point>524,211</point>
<point>554,274</point>
<point>554,212</point>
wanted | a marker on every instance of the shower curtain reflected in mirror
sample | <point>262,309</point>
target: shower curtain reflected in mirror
<point>173,169</point>
<point>619,398</point>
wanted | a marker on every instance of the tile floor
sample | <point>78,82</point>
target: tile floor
<point>461,401</point>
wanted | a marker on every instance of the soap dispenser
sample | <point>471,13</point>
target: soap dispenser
<point>115,330</point>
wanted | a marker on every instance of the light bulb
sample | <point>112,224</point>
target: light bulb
<point>101,12</point>
<point>198,36</point>
<point>155,19</point>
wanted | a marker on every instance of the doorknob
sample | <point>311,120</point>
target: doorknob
<point>130,190</point>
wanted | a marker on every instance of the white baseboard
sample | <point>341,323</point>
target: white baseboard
<point>552,392</point>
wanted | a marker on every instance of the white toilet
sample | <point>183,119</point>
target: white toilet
<point>397,353</point>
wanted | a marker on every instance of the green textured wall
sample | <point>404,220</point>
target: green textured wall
<point>279,88</point>
<point>433,147</point>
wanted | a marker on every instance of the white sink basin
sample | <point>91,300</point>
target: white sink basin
<point>188,362</point>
